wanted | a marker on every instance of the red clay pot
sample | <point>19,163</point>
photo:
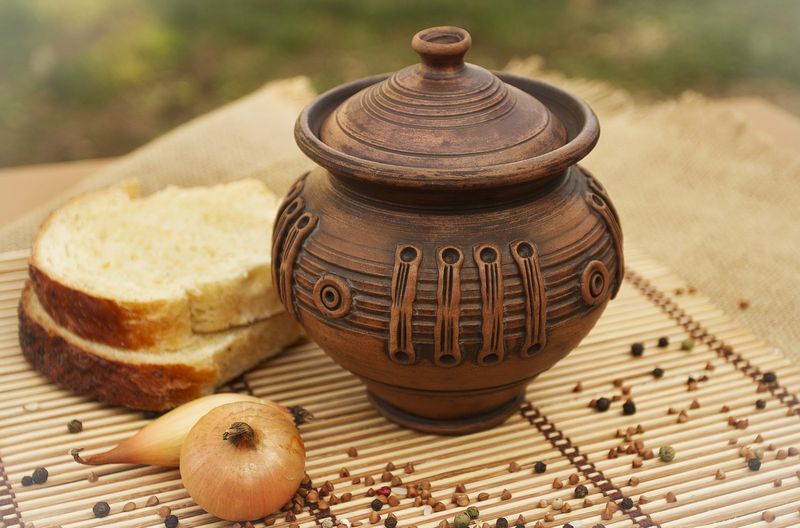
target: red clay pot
<point>448,248</point>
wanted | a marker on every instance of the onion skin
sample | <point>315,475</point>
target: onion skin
<point>159,442</point>
<point>244,478</point>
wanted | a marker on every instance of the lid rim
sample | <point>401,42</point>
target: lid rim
<point>578,116</point>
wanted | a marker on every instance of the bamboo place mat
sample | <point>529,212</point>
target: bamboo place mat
<point>554,425</point>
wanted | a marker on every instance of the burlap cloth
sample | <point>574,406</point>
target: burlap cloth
<point>696,187</point>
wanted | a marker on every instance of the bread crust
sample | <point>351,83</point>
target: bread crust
<point>157,386</point>
<point>123,325</point>
<point>140,386</point>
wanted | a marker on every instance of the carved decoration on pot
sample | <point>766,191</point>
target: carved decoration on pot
<point>448,248</point>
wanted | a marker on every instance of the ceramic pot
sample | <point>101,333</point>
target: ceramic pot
<point>447,249</point>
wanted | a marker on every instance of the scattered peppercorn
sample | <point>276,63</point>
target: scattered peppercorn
<point>101,509</point>
<point>687,344</point>
<point>390,522</point>
<point>27,480</point>
<point>754,464</point>
<point>602,404</point>
<point>760,404</point>
<point>376,505</point>
<point>626,503</point>
<point>637,349</point>
<point>171,521</point>
<point>568,525</point>
<point>74,426</point>
<point>539,467</point>
<point>658,372</point>
<point>40,475</point>
<point>663,342</point>
<point>629,408</point>
<point>461,520</point>
<point>384,490</point>
<point>769,377</point>
<point>502,522</point>
<point>581,491</point>
<point>666,454</point>
<point>473,512</point>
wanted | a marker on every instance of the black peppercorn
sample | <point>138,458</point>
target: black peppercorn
<point>539,467</point>
<point>760,404</point>
<point>658,372</point>
<point>40,475</point>
<point>581,491</point>
<point>663,342</point>
<point>754,464</point>
<point>376,505</point>
<point>602,404</point>
<point>628,408</point>
<point>390,522</point>
<point>599,526</point>
<point>27,480</point>
<point>626,503</point>
<point>637,349</point>
<point>769,377</point>
<point>502,522</point>
<point>520,526</point>
<point>568,525</point>
<point>101,509</point>
<point>74,426</point>
<point>170,521</point>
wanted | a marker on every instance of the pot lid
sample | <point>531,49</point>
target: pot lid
<point>446,124</point>
<point>442,113</point>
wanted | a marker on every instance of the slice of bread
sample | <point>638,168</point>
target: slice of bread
<point>138,273</point>
<point>146,379</point>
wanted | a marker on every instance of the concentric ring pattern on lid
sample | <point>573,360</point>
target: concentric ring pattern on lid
<point>442,114</point>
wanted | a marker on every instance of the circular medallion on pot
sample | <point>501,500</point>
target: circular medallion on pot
<point>332,296</point>
<point>595,282</point>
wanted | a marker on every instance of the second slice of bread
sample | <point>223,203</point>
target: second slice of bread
<point>146,379</point>
<point>137,273</point>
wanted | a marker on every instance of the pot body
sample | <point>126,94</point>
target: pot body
<point>447,306</point>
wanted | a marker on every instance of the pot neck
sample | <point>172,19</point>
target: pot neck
<point>448,198</point>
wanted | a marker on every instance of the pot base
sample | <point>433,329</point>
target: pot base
<point>473,424</point>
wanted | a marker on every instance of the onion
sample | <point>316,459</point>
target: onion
<point>243,461</point>
<point>159,442</point>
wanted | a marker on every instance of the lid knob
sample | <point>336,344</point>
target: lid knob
<point>442,48</point>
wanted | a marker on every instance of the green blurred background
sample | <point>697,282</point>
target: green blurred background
<point>93,78</point>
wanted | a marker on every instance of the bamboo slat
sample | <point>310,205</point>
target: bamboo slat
<point>614,455</point>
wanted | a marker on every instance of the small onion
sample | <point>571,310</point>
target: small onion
<point>159,442</point>
<point>243,460</point>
